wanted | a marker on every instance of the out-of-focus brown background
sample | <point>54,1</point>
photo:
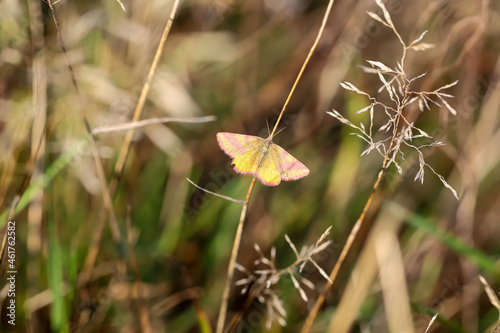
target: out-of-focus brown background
<point>237,60</point>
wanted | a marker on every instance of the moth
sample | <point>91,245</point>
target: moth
<point>262,158</point>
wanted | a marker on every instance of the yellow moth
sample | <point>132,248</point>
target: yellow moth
<point>261,157</point>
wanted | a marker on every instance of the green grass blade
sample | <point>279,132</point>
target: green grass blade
<point>51,172</point>
<point>450,325</point>
<point>484,262</point>
<point>58,316</point>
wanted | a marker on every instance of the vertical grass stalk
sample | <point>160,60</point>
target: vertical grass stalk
<point>239,231</point>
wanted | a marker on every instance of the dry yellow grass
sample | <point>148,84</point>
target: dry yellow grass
<point>418,252</point>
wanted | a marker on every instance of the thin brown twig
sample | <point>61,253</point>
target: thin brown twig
<point>350,241</point>
<point>232,261</point>
<point>255,292</point>
<point>10,216</point>
<point>351,238</point>
<point>237,240</point>
<point>35,155</point>
<point>354,232</point>
<point>106,195</point>
<point>306,61</point>
<point>39,88</point>
<point>98,231</point>
<point>146,122</point>
<point>121,5</point>
<point>122,157</point>
<point>9,168</point>
<point>164,305</point>
<point>216,194</point>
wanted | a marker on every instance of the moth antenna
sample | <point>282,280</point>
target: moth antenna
<point>279,131</point>
<point>268,129</point>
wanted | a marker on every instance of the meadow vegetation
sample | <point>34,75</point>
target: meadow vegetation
<point>106,113</point>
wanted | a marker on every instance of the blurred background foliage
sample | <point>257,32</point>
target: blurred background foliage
<point>237,60</point>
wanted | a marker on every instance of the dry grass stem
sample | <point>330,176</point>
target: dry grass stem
<point>431,322</point>
<point>106,195</point>
<point>392,277</point>
<point>232,261</point>
<point>122,5</point>
<point>127,142</point>
<point>146,122</point>
<point>304,65</point>
<point>99,229</point>
<point>493,297</point>
<point>400,132</point>
<point>108,112</point>
<point>260,281</point>
<point>345,250</point>
<point>241,202</point>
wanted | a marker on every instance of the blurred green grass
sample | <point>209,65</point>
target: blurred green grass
<point>236,60</point>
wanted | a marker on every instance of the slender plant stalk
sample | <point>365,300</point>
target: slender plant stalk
<point>93,145</point>
<point>241,202</point>
<point>237,240</point>
<point>10,217</point>
<point>350,240</point>
<point>122,158</point>
<point>106,194</point>
<point>258,290</point>
<point>232,261</point>
<point>39,88</point>
<point>311,51</point>
<point>352,235</point>
<point>99,229</point>
<point>146,122</point>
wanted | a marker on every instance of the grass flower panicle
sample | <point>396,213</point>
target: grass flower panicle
<point>401,132</point>
<point>259,283</point>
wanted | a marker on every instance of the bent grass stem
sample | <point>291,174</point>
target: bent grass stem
<point>232,261</point>
<point>352,235</point>
<point>237,240</point>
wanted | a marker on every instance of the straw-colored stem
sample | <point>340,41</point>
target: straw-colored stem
<point>151,121</point>
<point>253,295</point>
<point>236,244</point>
<point>350,240</point>
<point>106,196</point>
<point>232,262</point>
<point>352,235</point>
<point>99,229</point>
<point>106,193</point>
<point>142,99</point>
<point>311,51</point>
